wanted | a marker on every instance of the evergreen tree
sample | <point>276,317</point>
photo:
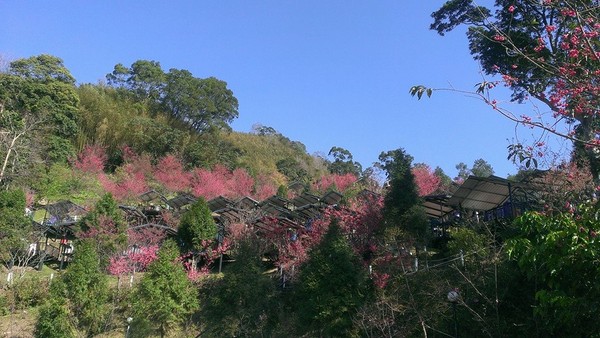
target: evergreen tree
<point>165,296</point>
<point>14,225</point>
<point>106,226</point>
<point>242,303</point>
<point>403,192</point>
<point>54,319</point>
<point>87,289</point>
<point>197,226</point>
<point>332,286</point>
<point>402,210</point>
<point>482,169</point>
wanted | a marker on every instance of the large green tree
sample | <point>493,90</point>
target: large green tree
<point>202,104</point>
<point>243,303</point>
<point>38,114</point>
<point>106,226</point>
<point>547,50</point>
<point>55,318</point>
<point>343,162</point>
<point>15,227</point>
<point>164,296</point>
<point>86,287</point>
<point>197,226</point>
<point>402,210</point>
<point>559,253</point>
<point>331,287</point>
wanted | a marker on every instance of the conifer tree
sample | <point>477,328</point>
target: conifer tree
<point>87,289</point>
<point>242,303</point>
<point>331,287</point>
<point>165,296</point>
<point>54,319</point>
<point>197,226</point>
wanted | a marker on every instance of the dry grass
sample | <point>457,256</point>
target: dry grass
<point>19,324</point>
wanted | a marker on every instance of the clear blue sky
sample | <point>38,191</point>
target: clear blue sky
<point>325,73</point>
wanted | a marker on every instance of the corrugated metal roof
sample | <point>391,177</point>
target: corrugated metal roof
<point>482,193</point>
<point>437,205</point>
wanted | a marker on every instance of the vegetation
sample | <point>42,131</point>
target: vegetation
<point>369,264</point>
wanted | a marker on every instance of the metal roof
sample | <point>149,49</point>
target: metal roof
<point>483,193</point>
<point>219,203</point>
<point>149,196</point>
<point>437,205</point>
<point>181,200</point>
<point>304,199</point>
<point>332,197</point>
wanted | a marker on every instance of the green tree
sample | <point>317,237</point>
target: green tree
<point>197,226</point>
<point>544,49</point>
<point>164,296</point>
<point>402,210</point>
<point>463,172</point>
<point>445,180</point>
<point>331,287</point>
<point>402,191</point>
<point>559,254</point>
<point>292,169</point>
<point>54,319</point>
<point>243,303</point>
<point>482,169</point>
<point>87,289</point>
<point>41,91</point>
<point>106,226</point>
<point>15,227</point>
<point>202,104</point>
<point>343,162</point>
<point>42,68</point>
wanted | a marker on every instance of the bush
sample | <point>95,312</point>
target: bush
<point>29,292</point>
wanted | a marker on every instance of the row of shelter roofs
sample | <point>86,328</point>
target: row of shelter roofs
<point>479,198</point>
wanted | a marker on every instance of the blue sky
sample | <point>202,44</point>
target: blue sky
<point>325,73</point>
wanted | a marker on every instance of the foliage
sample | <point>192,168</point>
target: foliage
<point>342,162</point>
<point>481,168</point>
<point>54,319</point>
<point>401,210</point>
<point>59,182</point>
<point>332,286</point>
<point>277,157</point>
<point>43,86</point>
<point>203,104</point>
<point>445,180</point>
<point>164,296</point>
<point>197,227</point>
<point>91,160</point>
<point>547,50</point>
<point>15,227</point>
<point>243,303</point>
<point>292,170</point>
<point>553,250</point>
<point>336,182</point>
<point>564,187</point>
<point>29,292</point>
<point>38,114</point>
<point>427,181</point>
<point>106,226</point>
<point>86,288</point>
<point>171,174</point>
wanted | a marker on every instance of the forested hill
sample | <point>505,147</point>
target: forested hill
<point>51,125</point>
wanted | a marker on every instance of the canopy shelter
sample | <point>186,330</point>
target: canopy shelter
<point>332,197</point>
<point>488,193</point>
<point>60,218</point>
<point>436,206</point>
<point>181,200</point>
